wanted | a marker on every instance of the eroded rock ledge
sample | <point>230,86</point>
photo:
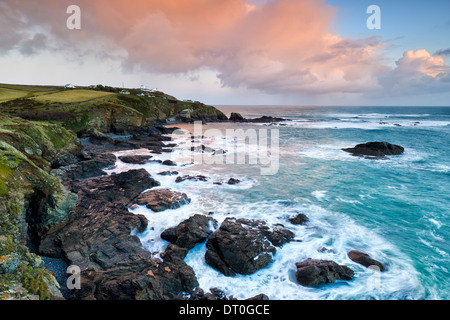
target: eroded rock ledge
<point>244,246</point>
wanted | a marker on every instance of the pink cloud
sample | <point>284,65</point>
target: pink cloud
<point>283,46</point>
<point>420,62</point>
<point>417,72</point>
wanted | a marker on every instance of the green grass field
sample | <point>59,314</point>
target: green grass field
<point>71,96</point>
<point>11,94</point>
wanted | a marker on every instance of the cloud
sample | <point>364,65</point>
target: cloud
<point>442,52</point>
<point>417,72</point>
<point>277,47</point>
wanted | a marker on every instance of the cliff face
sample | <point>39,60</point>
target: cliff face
<point>125,114</point>
<point>31,201</point>
<point>38,137</point>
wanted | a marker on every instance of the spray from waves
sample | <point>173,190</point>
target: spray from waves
<point>335,231</point>
<point>327,235</point>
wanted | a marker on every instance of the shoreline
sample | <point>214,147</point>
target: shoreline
<point>101,234</point>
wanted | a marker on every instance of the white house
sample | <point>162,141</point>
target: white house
<point>69,86</point>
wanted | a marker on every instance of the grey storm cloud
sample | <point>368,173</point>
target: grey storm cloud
<point>442,52</point>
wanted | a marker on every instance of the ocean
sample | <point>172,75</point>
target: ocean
<point>395,209</point>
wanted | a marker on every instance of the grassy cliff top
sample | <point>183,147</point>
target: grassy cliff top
<point>101,107</point>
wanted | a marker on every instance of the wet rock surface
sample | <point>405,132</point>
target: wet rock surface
<point>188,233</point>
<point>365,260</point>
<point>375,149</point>
<point>312,272</point>
<point>244,246</point>
<point>162,199</point>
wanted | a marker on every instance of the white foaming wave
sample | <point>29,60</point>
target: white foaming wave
<point>319,194</point>
<point>325,229</point>
<point>364,123</point>
<point>375,115</point>
<point>334,231</point>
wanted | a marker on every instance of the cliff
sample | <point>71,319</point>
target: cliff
<point>106,111</point>
<point>31,201</point>
<point>40,149</point>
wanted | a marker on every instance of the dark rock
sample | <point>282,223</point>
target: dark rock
<point>135,159</point>
<point>99,138</point>
<point>312,273</point>
<point>98,234</point>
<point>299,219</point>
<point>168,173</point>
<point>244,246</point>
<point>233,181</point>
<point>146,280</point>
<point>64,159</point>
<point>188,233</point>
<point>169,163</point>
<point>214,294</point>
<point>236,117</point>
<point>174,253</point>
<point>202,148</point>
<point>162,199</point>
<point>365,260</point>
<point>324,249</point>
<point>118,187</point>
<point>378,149</point>
<point>92,167</point>
<point>188,177</point>
<point>266,119</point>
<point>98,239</point>
<point>260,297</point>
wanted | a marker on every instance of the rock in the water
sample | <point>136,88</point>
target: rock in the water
<point>311,272</point>
<point>202,148</point>
<point>169,163</point>
<point>188,233</point>
<point>135,159</point>
<point>299,219</point>
<point>365,260</point>
<point>162,199</point>
<point>168,173</point>
<point>377,149</point>
<point>188,177</point>
<point>265,119</point>
<point>244,246</point>
<point>233,181</point>
<point>236,117</point>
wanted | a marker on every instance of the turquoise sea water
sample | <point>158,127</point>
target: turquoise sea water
<point>396,210</point>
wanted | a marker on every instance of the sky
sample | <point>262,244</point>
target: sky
<point>236,52</point>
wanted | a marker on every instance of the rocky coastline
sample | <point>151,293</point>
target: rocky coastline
<point>83,219</point>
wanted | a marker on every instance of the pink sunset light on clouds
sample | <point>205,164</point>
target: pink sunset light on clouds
<point>283,47</point>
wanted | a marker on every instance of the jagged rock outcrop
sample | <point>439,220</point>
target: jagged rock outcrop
<point>162,199</point>
<point>365,260</point>
<point>375,149</point>
<point>312,272</point>
<point>244,246</point>
<point>191,231</point>
<point>135,159</point>
<point>236,117</point>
